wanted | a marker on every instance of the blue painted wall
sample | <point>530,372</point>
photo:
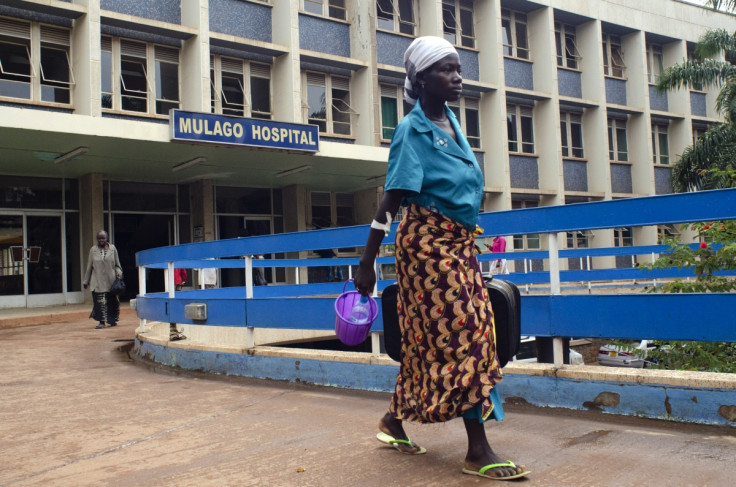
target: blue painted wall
<point>657,101</point>
<point>390,48</point>
<point>469,63</point>
<point>19,13</point>
<point>524,172</point>
<point>568,83</point>
<point>243,19</point>
<point>662,180</point>
<point>324,35</point>
<point>518,74</point>
<point>616,91</point>
<point>678,403</point>
<point>163,10</point>
<point>697,104</point>
<point>621,178</point>
<point>576,175</point>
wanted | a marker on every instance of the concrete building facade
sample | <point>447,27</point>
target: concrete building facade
<point>558,102</point>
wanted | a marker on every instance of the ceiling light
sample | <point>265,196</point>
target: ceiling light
<point>71,155</point>
<point>293,171</point>
<point>187,164</point>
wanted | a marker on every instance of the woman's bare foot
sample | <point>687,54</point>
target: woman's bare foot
<point>480,453</point>
<point>394,427</point>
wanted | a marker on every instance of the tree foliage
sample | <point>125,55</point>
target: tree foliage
<point>716,252</point>
<point>716,148</point>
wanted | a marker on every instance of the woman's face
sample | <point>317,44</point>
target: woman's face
<point>442,80</point>
<point>101,239</point>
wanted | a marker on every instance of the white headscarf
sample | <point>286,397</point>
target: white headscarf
<point>421,54</point>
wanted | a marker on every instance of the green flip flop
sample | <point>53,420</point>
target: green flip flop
<point>390,440</point>
<point>483,470</point>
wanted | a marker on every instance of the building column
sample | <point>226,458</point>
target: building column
<point>87,58</point>
<point>195,57</point>
<point>295,197</point>
<point>202,210</point>
<point>91,215</point>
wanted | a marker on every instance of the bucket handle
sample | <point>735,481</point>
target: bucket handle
<point>345,285</point>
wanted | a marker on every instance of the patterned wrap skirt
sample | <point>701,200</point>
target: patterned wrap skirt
<point>448,352</point>
<point>105,307</point>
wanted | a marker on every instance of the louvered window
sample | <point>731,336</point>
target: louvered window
<point>139,77</point>
<point>323,91</point>
<point>167,79</point>
<point>327,8</point>
<point>41,60</point>
<point>244,87</point>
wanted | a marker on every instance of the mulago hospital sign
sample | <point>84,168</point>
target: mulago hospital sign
<point>250,132</point>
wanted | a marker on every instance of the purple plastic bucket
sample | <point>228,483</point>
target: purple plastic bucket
<point>352,333</point>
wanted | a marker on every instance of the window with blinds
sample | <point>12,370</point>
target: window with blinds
<point>35,62</point>
<point>240,87</point>
<point>140,77</point>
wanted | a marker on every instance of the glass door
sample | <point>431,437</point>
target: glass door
<point>12,272</point>
<point>34,275</point>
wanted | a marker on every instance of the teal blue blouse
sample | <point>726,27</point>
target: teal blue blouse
<point>441,175</point>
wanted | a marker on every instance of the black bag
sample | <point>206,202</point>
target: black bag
<point>118,287</point>
<point>505,300</point>
<point>391,330</point>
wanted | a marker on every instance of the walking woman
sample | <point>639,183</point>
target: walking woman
<point>103,266</point>
<point>448,365</point>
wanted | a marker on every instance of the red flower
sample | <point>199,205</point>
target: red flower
<point>703,245</point>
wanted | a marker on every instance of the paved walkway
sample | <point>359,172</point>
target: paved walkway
<point>75,410</point>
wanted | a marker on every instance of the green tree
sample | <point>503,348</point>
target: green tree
<point>707,164</point>
<point>716,148</point>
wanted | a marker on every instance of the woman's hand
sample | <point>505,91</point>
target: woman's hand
<point>365,279</point>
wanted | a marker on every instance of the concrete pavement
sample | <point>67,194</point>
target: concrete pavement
<point>76,410</point>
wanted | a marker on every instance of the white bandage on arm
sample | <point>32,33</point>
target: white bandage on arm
<point>385,227</point>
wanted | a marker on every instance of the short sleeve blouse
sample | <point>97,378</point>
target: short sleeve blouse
<point>440,174</point>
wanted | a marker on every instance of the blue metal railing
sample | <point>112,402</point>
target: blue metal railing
<point>705,317</point>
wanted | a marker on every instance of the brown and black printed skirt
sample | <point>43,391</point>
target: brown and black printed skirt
<point>448,350</point>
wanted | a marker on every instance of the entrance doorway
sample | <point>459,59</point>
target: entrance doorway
<point>32,270</point>
<point>136,232</point>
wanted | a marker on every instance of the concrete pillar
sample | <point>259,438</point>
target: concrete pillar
<point>286,74</point>
<point>92,215</point>
<point>195,57</point>
<point>85,46</point>
<point>295,220</point>
<point>202,208</point>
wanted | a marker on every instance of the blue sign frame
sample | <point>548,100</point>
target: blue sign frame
<point>250,132</point>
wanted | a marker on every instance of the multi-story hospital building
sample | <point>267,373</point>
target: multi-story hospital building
<point>173,121</point>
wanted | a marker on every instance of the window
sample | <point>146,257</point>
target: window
<point>655,62</point>
<point>698,132</point>
<point>618,150</point>
<point>457,22</point>
<point>623,237</point>
<point>567,50</point>
<point>138,76</point>
<point>660,144</point>
<point>666,232</point>
<point>515,41</point>
<point>691,57</point>
<point>520,124</point>
<point>396,15</point>
<point>467,112</point>
<point>328,103</point>
<point>240,88</point>
<point>571,132</point>
<point>393,109</point>
<point>530,241</point>
<point>613,56</point>
<point>335,9</point>
<point>35,62</point>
